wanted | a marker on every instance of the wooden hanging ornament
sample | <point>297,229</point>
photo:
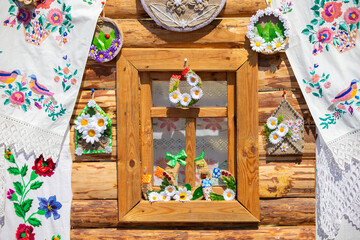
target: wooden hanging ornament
<point>183,15</point>
<point>93,131</point>
<point>284,131</point>
<point>107,41</point>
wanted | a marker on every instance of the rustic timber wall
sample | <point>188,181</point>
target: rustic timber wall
<point>287,184</point>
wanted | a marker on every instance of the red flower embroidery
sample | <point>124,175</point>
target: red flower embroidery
<point>168,123</point>
<point>45,4</point>
<point>25,232</point>
<point>44,168</point>
<point>331,11</point>
<point>213,123</point>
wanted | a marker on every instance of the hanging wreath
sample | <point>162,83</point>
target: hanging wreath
<point>185,99</point>
<point>268,31</point>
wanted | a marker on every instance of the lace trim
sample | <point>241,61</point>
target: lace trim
<point>2,186</point>
<point>30,139</point>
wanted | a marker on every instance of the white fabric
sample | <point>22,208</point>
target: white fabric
<point>321,65</point>
<point>59,185</point>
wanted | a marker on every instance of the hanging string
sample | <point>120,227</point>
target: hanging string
<point>284,91</point>
<point>92,94</point>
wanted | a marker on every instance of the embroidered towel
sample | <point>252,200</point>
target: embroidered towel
<point>325,57</point>
<point>43,52</point>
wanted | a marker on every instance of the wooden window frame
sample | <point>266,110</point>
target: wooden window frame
<point>134,131</point>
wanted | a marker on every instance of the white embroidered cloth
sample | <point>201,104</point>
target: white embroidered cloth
<point>325,56</point>
<point>43,52</point>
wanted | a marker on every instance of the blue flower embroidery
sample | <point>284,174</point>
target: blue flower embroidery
<point>216,173</point>
<point>50,206</point>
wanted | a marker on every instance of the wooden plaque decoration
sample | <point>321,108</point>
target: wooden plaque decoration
<point>183,15</point>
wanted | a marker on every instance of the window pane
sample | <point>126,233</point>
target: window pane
<point>169,136</point>
<point>215,93</point>
<point>212,136</point>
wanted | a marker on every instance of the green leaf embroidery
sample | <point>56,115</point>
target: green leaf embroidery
<point>36,185</point>
<point>41,212</point>
<point>11,9</point>
<point>314,21</point>
<point>24,170</point>
<point>216,197</point>
<point>34,222</point>
<point>14,197</point>
<point>315,7</point>
<point>18,188</point>
<point>33,176</point>
<point>6,102</point>
<point>19,211</point>
<point>24,108</point>
<point>26,205</point>
<point>13,171</point>
<point>343,26</point>
<point>7,92</point>
<point>197,193</point>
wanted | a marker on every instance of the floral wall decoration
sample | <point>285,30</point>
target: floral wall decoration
<point>183,15</point>
<point>334,23</point>
<point>284,131</point>
<point>93,131</point>
<point>185,99</point>
<point>269,30</point>
<point>107,41</point>
<point>169,189</point>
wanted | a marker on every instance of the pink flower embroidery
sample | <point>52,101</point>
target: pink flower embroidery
<point>23,16</point>
<point>55,17</point>
<point>56,79</point>
<point>325,35</point>
<point>337,114</point>
<point>213,123</point>
<point>168,123</point>
<point>315,78</point>
<point>327,85</point>
<point>352,15</point>
<point>17,98</point>
<point>66,70</point>
<point>45,4</point>
<point>331,11</point>
<point>308,89</point>
<point>73,81</point>
<point>341,106</point>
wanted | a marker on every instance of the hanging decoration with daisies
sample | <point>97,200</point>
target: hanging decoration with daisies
<point>107,41</point>
<point>93,133</point>
<point>268,31</point>
<point>170,191</point>
<point>284,131</point>
<point>185,99</point>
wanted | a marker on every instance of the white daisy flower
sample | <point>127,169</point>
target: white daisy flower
<point>185,99</point>
<point>82,122</point>
<point>91,134</point>
<point>283,129</point>
<point>282,18</point>
<point>284,147</point>
<point>183,195</point>
<point>290,123</point>
<point>164,196</point>
<point>207,190</point>
<point>79,151</point>
<point>268,11</point>
<point>272,123</point>
<point>175,97</point>
<point>295,137</point>
<point>170,191</point>
<point>229,195</point>
<point>278,44</point>
<point>276,12</point>
<point>250,35</point>
<point>192,79</point>
<point>108,149</point>
<point>254,19</point>
<point>287,33</point>
<point>250,27</point>
<point>196,93</point>
<point>286,25</point>
<point>154,197</point>
<point>274,138</point>
<point>295,128</point>
<point>207,198</point>
<point>100,122</point>
<point>91,103</point>
<point>257,44</point>
<point>260,13</point>
<point>268,47</point>
<point>299,122</point>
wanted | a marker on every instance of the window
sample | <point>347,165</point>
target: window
<point>141,74</point>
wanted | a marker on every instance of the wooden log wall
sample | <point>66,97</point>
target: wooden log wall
<point>287,184</point>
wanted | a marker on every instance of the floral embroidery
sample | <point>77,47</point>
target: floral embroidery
<point>343,103</point>
<point>168,123</point>
<point>213,123</point>
<point>331,25</point>
<point>27,93</point>
<point>39,24</point>
<point>22,204</point>
<point>57,237</point>
<point>317,82</point>
<point>286,6</point>
<point>68,77</point>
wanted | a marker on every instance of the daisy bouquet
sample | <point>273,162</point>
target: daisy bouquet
<point>268,31</point>
<point>93,132</point>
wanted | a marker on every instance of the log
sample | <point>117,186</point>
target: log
<point>130,9</point>
<point>98,180</point>
<point>282,212</point>
<point>265,233</point>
